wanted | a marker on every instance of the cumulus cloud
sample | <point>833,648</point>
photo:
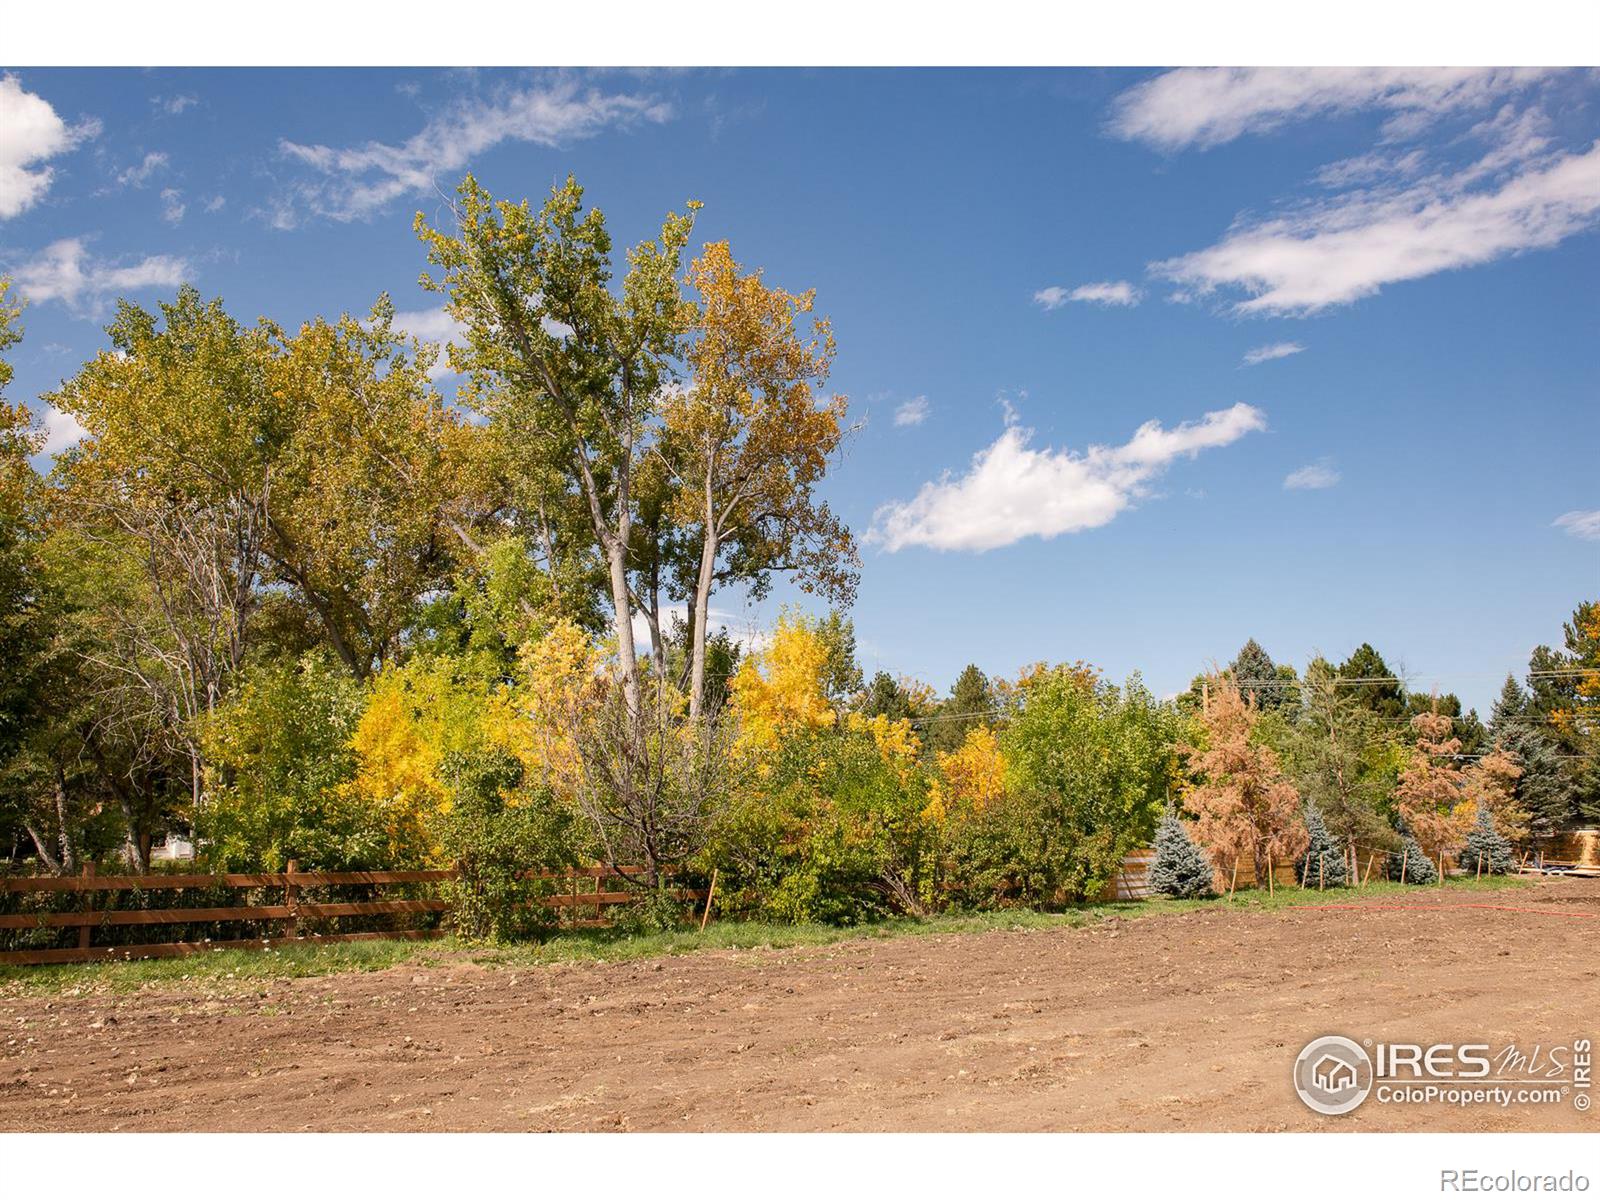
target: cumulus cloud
<point>1581,524</point>
<point>139,174</point>
<point>357,182</point>
<point>61,431</point>
<point>1269,352</point>
<point>1347,248</point>
<point>1013,491</point>
<point>1201,107</point>
<point>1110,293</point>
<point>912,412</point>
<point>33,133</point>
<point>1312,477</point>
<point>436,326</point>
<point>65,271</point>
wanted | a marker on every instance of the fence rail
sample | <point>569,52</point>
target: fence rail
<point>573,904</point>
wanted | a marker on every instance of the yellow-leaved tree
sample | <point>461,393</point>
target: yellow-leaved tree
<point>779,690</point>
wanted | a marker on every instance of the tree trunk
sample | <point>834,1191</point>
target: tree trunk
<point>702,611</point>
<point>616,559</point>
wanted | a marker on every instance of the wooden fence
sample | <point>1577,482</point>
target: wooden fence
<point>582,898</point>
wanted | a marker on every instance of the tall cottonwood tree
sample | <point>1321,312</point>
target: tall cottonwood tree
<point>748,439</point>
<point>566,368</point>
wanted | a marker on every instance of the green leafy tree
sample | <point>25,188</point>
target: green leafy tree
<point>1342,757</point>
<point>1094,759</point>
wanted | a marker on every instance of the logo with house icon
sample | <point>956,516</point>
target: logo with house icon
<point>1333,1075</point>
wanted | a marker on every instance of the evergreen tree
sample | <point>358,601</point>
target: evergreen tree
<point>886,697</point>
<point>1379,692</point>
<point>1324,862</point>
<point>971,695</point>
<point>1409,864</point>
<point>1180,868</point>
<point>1545,790</point>
<point>1486,848</point>
<point>1253,665</point>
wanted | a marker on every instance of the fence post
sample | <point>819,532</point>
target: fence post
<point>291,897</point>
<point>86,931</point>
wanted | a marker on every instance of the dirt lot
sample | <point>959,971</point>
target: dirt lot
<point>1179,1022</point>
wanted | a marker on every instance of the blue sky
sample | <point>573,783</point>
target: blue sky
<point>1360,305</point>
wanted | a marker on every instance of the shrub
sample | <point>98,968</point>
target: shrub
<point>1180,868</point>
<point>1093,761</point>
<point>279,764</point>
<point>498,831</point>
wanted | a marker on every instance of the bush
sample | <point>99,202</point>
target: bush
<point>836,832</point>
<point>1486,848</point>
<point>497,831</point>
<point>1323,863</point>
<point>279,767</point>
<point>1093,761</point>
<point>1180,868</point>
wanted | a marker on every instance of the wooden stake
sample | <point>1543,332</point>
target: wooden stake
<point>291,898</point>
<point>1322,870</point>
<point>1480,866</point>
<point>1441,868</point>
<point>1371,858</point>
<point>710,892</point>
<point>1270,873</point>
<point>1405,860</point>
<point>88,906</point>
<point>1235,883</point>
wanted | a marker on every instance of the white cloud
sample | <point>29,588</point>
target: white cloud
<point>172,206</point>
<point>61,431</point>
<point>1580,524</point>
<point>359,181</point>
<point>436,326</point>
<point>1013,491</point>
<point>1201,107</point>
<point>1110,293</point>
<point>1267,353</point>
<point>215,204</point>
<point>32,133</point>
<point>912,412</point>
<point>65,271</point>
<point>173,106</point>
<point>139,175</point>
<point>1312,477</point>
<point>1349,247</point>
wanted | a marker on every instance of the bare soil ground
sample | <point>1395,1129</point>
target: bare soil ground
<point>1182,1022</point>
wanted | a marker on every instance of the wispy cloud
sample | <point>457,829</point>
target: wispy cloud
<point>173,106</point>
<point>912,412</point>
<point>1201,107</point>
<point>172,206</point>
<point>1269,352</point>
<point>1109,293</point>
<point>1013,491</point>
<point>1347,248</point>
<point>65,271</point>
<point>33,133</point>
<point>356,182</point>
<point>140,173</point>
<point>1581,523</point>
<point>1312,477</point>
